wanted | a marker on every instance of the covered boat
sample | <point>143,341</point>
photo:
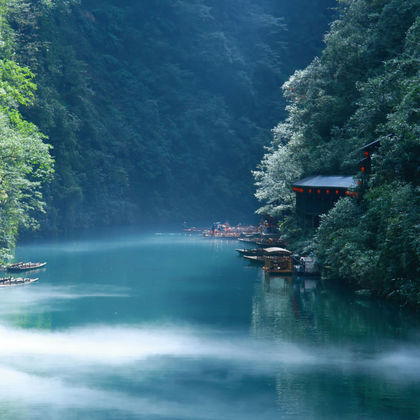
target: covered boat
<point>265,251</point>
<point>279,265</point>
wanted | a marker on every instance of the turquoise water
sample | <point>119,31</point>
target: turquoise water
<point>124,325</point>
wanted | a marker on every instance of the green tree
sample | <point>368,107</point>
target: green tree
<point>158,110</point>
<point>364,86</point>
<point>25,161</point>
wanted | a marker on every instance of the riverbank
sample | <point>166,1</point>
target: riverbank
<point>363,278</point>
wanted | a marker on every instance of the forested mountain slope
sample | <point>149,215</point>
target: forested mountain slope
<point>25,162</point>
<point>365,86</point>
<point>158,110</point>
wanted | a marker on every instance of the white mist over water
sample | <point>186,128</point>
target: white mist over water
<point>122,345</point>
<point>118,242</point>
<point>53,298</point>
<point>50,397</point>
<point>58,369</point>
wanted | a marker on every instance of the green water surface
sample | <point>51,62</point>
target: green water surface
<point>128,325</point>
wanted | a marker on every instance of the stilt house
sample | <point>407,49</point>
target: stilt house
<point>316,195</point>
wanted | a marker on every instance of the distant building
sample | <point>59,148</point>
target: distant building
<point>316,195</point>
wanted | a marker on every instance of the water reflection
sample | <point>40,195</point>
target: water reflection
<point>283,307</point>
<point>368,357</point>
<point>299,307</point>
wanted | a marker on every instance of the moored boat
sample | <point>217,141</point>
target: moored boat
<point>21,266</point>
<point>264,241</point>
<point>248,240</point>
<point>279,265</point>
<point>255,258</point>
<point>274,251</point>
<point>270,242</point>
<point>16,281</point>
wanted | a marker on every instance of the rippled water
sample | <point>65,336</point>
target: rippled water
<point>136,326</point>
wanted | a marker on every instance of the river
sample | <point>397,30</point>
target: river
<point>131,325</point>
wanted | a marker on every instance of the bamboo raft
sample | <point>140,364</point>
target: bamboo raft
<point>15,281</point>
<point>21,266</point>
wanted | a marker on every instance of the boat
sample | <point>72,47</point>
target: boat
<point>250,251</point>
<point>264,251</point>
<point>279,265</point>
<point>16,281</point>
<point>254,258</point>
<point>247,240</point>
<point>269,242</point>
<point>264,241</point>
<point>21,266</point>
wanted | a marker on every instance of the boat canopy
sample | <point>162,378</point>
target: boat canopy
<point>276,249</point>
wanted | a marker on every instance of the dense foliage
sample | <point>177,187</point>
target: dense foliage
<point>158,110</point>
<point>25,161</point>
<point>365,86</point>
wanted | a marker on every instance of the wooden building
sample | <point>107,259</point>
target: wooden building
<point>316,195</point>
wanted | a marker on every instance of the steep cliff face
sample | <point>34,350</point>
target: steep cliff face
<point>159,110</point>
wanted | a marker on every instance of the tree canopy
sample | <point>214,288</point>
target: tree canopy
<point>159,110</point>
<point>25,161</point>
<point>364,86</point>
